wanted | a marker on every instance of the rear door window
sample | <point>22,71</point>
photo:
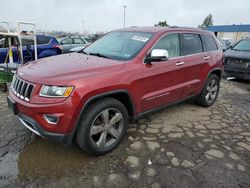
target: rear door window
<point>27,42</point>
<point>78,41</point>
<point>209,43</point>
<point>191,44</point>
<point>67,41</point>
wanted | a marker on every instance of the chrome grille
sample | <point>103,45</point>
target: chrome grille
<point>238,63</point>
<point>21,88</point>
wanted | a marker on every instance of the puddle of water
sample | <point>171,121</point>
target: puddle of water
<point>48,159</point>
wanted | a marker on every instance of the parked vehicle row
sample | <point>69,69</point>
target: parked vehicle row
<point>237,60</point>
<point>90,96</point>
<point>74,43</point>
<point>46,46</point>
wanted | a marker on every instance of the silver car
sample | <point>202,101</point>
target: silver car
<point>70,42</point>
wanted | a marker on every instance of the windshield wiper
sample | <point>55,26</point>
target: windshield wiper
<point>99,55</point>
<point>82,51</point>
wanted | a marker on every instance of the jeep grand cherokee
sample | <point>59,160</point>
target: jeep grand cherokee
<point>90,96</point>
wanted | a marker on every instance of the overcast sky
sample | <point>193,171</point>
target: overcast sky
<point>105,15</point>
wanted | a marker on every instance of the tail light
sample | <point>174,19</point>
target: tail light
<point>58,46</point>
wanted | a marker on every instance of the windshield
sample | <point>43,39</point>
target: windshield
<point>243,45</point>
<point>119,45</point>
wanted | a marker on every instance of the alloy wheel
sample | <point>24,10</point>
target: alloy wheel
<point>212,90</point>
<point>106,128</point>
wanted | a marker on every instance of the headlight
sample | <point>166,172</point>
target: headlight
<point>56,91</point>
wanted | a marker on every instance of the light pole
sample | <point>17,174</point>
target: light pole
<point>83,27</point>
<point>124,15</point>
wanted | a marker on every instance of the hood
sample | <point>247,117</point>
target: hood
<point>237,54</point>
<point>61,69</point>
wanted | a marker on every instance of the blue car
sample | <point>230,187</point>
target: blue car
<point>46,46</point>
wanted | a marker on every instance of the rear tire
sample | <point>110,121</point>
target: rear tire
<point>103,126</point>
<point>209,92</point>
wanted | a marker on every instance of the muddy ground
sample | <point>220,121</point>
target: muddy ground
<point>182,146</point>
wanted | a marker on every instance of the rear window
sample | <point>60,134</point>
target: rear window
<point>191,44</point>
<point>43,40</point>
<point>209,43</point>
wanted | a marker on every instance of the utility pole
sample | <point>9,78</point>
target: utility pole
<point>83,27</point>
<point>124,15</point>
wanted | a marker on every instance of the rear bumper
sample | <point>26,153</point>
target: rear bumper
<point>33,126</point>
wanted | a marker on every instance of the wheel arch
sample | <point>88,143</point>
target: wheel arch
<point>122,95</point>
<point>216,71</point>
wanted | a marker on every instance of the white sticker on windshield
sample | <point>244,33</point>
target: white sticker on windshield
<point>140,38</point>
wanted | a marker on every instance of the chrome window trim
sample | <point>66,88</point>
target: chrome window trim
<point>177,57</point>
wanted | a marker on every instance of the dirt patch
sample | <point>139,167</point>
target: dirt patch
<point>45,158</point>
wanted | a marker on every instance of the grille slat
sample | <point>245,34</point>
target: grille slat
<point>22,88</point>
<point>26,90</point>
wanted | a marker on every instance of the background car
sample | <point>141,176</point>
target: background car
<point>223,45</point>
<point>73,41</point>
<point>46,46</point>
<point>237,60</point>
<point>227,42</point>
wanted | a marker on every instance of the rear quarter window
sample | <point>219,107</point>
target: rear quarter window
<point>209,43</point>
<point>191,44</point>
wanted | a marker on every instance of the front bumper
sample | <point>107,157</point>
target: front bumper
<point>32,117</point>
<point>33,126</point>
<point>238,69</point>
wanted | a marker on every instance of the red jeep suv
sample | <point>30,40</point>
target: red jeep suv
<point>91,95</point>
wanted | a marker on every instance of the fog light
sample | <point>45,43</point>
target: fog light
<point>51,119</point>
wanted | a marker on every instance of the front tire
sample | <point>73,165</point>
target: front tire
<point>3,87</point>
<point>102,126</point>
<point>209,92</point>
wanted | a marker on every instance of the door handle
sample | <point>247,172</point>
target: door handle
<point>180,63</point>
<point>206,57</point>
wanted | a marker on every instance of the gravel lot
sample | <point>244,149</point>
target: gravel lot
<point>182,146</point>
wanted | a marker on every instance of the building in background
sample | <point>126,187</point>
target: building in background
<point>231,32</point>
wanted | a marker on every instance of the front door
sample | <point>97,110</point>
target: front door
<point>162,81</point>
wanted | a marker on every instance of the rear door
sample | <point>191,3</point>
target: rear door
<point>162,81</point>
<point>79,42</point>
<point>195,60</point>
<point>211,46</point>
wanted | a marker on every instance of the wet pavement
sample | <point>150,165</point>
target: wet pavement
<point>182,146</point>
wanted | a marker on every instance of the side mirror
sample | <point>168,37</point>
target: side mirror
<point>157,55</point>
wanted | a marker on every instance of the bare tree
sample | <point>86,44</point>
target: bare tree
<point>162,23</point>
<point>207,21</point>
